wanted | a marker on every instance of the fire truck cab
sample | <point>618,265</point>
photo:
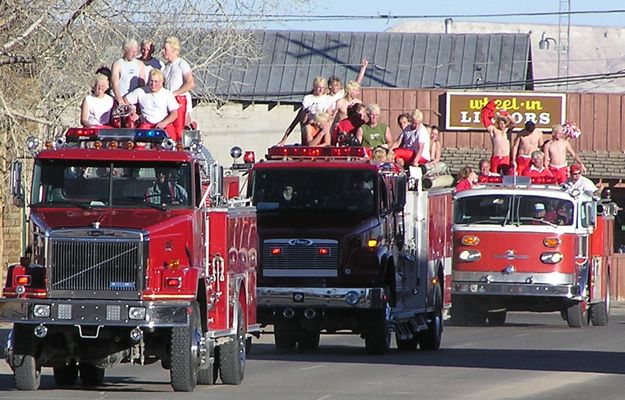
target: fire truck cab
<point>522,245</point>
<point>350,245</point>
<point>136,255</point>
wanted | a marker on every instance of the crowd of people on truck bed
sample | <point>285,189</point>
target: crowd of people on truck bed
<point>333,116</point>
<point>143,91</point>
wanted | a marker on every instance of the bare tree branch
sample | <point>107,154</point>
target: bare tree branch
<point>20,38</point>
<point>6,60</point>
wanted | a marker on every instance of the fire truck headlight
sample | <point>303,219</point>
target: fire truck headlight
<point>469,255</point>
<point>41,311</point>
<point>551,257</point>
<point>137,313</point>
<point>352,297</point>
<point>32,144</point>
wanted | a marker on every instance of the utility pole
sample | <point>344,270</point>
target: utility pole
<point>564,32</point>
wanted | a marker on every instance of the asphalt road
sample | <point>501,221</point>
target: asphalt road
<point>534,356</point>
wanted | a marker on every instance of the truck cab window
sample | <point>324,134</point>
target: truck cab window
<point>86,183</point>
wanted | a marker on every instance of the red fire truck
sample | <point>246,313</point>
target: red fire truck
<point>522,245</point>
<point>136,255</point>
<point>350,245</point>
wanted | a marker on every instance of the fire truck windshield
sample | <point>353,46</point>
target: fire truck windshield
<point>314,197</point>
<point>503,209</point>
<point>92,184</point>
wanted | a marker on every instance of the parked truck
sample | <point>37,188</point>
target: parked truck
<point>524,244</point>
<point>135,255</point>
<point>350,245</point>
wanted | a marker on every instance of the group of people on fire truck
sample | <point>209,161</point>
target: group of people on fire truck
<point>530,155</point>
<point>333,116</point>
<point>153,94</point>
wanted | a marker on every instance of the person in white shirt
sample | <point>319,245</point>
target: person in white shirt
<point>313,103</point>
<point>178,74</point>
<point>127,73</point>
<point>158,105</point>
<point>413,145</point>
<point>147,49</point>
<point>96,107</point>
<point>581,183</point>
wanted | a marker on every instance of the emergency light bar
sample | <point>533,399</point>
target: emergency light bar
<point>513,180</point>
<point>118,134</point>
<point>315,152</point>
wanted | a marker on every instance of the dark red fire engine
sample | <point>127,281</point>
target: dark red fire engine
<point>350,245</point>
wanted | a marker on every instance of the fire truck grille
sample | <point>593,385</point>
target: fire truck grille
<point>95,268</point>
<point>300,258</point>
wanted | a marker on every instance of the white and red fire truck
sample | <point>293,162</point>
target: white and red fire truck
<point>350,245</point>
<point>524,245</point>
<point>136,255</point>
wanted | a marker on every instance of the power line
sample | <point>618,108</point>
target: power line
<point>258,17</point>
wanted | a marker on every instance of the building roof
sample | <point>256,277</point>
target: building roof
<point>290,60</point>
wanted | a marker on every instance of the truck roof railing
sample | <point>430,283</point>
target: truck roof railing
<point>326,153</point>
<point>518,181</point>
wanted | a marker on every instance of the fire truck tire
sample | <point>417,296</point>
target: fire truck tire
<point>599,312</point>
<point>378,331</point>
<point>430,339</point>
<point>497,318</point>
<point>27,373</point>
<point>232,356</point>
<point>575,315</point>
<point>308,341</point>
<point>208,376</point>
<point>66,375</point>
<point>90,375</point>
<point>184,352</point>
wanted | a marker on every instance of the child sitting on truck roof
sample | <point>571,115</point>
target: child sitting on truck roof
<point>95,109</point>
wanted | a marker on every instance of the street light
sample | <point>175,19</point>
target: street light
<point>543,43</point>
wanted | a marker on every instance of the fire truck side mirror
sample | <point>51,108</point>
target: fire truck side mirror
<point>17,189</point>
<point>216,176</point>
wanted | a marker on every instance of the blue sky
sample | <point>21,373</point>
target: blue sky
<point>447,7</point>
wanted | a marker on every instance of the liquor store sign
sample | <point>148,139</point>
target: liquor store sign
<point>462,110</point>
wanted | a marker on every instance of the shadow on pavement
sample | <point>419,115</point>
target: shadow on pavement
<point>532,360</point>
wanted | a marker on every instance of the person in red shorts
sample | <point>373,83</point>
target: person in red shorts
<point>526,141</point>
<point>555,154</point>
<point>500,134</point>
<point>159,108</point>
<point>412,148</point>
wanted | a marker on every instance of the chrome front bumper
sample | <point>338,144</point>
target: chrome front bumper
<point>329,298</point>
<point>552,284</point>
<point>92,312</point>
<point>515,289</point>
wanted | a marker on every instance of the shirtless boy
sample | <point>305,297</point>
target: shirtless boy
<point>528,140</point>
<point>555,154</point>
<point>500,133</point>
